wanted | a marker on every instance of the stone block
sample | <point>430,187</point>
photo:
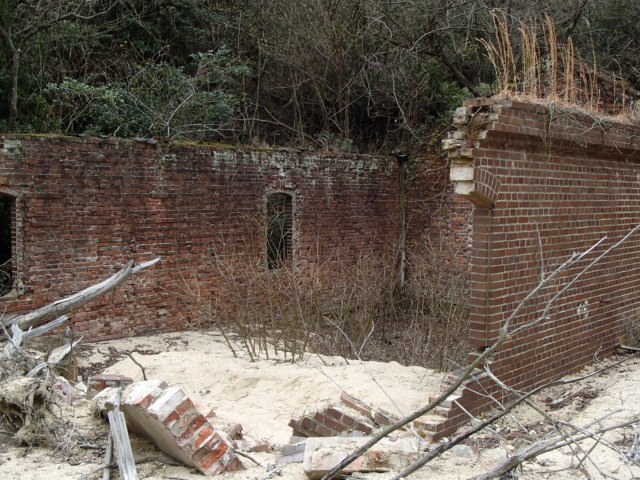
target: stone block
<point>293,458</point>
<point>322,454</point>
<point>291,449</point>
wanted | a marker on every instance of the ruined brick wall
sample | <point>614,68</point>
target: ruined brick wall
<point>438,220</point>
<point>545,184</point>
<point>86,206</point>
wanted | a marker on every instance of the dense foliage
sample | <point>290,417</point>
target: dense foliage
<point>368,75</point>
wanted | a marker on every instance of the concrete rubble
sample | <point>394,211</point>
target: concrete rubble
<point>322,438</point>
<point>325,436</point>
<point>322,454</point>
<point>171,420</point>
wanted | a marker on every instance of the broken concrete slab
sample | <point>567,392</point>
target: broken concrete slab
<point>168,417</point>
<point>322,454</point>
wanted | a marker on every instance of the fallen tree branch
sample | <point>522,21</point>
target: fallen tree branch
<point>36,332</point>
<point>561,425</point>
<point>18,337</point>
<point>56,357</point>
<point>59,307</point>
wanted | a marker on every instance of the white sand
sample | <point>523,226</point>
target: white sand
<point>264,395</point>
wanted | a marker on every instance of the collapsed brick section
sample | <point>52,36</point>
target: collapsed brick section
<point>545,183</point>
<point>353,418</point>
<point>329,422</point>
<point>170,419</point>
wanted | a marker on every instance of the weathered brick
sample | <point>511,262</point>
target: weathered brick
<point>354,403</point>
<point>98,383</point>
<point>87,206</point>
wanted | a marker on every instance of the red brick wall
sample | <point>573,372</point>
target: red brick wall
<point>547,183</point>
<point>86,206</point>
<point>436,216</point>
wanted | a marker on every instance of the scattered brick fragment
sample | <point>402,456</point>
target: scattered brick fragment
<point>356,404</point>
<point>97,383</point>
<point>330,422</point>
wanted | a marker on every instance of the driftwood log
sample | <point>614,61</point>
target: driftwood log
<point>60,307</point>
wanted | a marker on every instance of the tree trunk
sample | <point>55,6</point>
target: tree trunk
<point>13,94</point>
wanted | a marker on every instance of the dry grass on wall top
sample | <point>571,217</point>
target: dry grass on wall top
<point>354,309</point>
<point>531,64</point>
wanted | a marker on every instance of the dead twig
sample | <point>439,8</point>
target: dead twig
<point>440,449</point>
<point>138,462</point>
<point>272,471</point>
<point>245,455</point>
<point>538,449</point>
<point>144,372</point>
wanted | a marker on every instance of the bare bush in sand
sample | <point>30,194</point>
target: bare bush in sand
<point>336,306</point>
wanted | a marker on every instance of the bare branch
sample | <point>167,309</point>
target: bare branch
<point>440,449</point>
<point>538,449</point>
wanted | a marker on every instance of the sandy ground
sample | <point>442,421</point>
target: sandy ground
<point>264,395</point>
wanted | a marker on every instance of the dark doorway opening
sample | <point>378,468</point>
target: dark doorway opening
<point>7,209</point>
<point>279,229</point>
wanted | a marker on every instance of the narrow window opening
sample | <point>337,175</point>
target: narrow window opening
<point>7,226</point>
<point>279,229</point>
